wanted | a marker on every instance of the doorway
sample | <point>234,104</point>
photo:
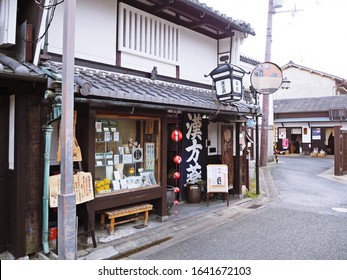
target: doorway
<point>296,141</point>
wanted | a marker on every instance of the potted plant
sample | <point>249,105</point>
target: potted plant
<point>194,190</point>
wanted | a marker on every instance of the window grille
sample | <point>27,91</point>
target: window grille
<point>146,35</point>
<point>337,114</point>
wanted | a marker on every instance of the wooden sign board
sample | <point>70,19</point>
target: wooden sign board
<point>217,178</point>
<point>82,187</point>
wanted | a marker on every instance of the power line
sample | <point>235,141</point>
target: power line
<point>51,7</point>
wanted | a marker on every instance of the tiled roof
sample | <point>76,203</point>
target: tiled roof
<point>129,88</point>
<point>194,15</point>
<point>13,69</point>
<point>122,87</point>
<point>239,24</point>
<point>249,60</point>
<point>291,64</point>
<point>317,104</point>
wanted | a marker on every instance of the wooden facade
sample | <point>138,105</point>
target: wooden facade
<point>21,186</point>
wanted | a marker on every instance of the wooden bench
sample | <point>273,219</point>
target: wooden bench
<point>132,211</point>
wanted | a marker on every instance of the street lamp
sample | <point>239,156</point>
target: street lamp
<point>227,79</point>
<point>285,83</point>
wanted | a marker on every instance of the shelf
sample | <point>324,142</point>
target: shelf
<point>130,163</point>
<point>99,141</point>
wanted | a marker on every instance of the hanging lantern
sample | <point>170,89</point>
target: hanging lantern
<point>177,175</point>
<point>176,135</point>
<point>177,159</point>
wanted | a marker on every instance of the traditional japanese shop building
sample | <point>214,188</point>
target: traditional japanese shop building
<point>136,82</point>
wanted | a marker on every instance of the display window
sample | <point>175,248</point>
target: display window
<point>126,153</point>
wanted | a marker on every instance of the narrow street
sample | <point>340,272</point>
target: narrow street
<point>307,221</point>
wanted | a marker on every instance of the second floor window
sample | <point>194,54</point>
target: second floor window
<point>146,35</point>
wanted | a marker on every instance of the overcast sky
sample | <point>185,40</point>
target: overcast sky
<point>315,36</point>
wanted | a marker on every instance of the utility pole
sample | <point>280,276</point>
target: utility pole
<point>67,234</point>
<point>264,145</point>
<point>265,108</point>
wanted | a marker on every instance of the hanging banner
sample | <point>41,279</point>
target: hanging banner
<point>82,187</point>
<point>194,151</point>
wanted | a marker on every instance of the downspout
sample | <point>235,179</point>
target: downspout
<point>47,135</point>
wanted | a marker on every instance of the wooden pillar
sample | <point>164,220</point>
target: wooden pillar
<point>337,151</point>
<point>237,166</point>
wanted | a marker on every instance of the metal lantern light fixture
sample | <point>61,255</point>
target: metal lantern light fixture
<point>285,83</point>
<point>227,80</point>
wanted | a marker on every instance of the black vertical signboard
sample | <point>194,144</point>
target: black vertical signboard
<point>194,151</point>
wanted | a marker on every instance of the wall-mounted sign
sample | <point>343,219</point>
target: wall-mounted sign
<point>316,135</point>
<point>282,133</point>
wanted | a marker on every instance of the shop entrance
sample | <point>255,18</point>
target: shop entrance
<point>296,141</point>
<point>4,174</point>
<point>295,144</point>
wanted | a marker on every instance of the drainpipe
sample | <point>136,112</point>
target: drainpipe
<point>47,134</point>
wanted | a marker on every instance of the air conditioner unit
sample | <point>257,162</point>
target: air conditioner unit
<point>8,19</point>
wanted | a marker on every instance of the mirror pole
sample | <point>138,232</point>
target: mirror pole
<point>257,188</point>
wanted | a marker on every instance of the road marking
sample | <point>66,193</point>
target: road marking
<point>342,210</point>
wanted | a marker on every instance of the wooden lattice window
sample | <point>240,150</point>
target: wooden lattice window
<point>146,35</point>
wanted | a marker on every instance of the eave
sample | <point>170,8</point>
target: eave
<point>193,15</point>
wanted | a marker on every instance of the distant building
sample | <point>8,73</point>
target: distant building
<point>305,114</point>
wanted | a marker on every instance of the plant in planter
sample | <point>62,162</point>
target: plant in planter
<point>194,190</point>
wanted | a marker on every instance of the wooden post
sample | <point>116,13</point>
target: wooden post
<point>337,151</point>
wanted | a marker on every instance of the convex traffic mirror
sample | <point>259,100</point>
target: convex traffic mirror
<point>266,78</point>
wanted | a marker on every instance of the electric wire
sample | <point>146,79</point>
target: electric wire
<point>51,7</point>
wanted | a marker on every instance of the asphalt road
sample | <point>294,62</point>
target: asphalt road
<point>299,224</point>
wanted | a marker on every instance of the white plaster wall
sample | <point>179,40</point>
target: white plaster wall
<point>197,56</point>
<point>95,31</point>
<point>141,63</point>
<point>247,78</point>
<point>305,84</point>
<point>224,45</point>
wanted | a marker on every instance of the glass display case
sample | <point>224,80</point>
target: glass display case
<point>126,153</point>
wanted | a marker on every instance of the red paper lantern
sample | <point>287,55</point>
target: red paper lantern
<point>177,175</point>
<point>177,159</point>
<point>176,135</point>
